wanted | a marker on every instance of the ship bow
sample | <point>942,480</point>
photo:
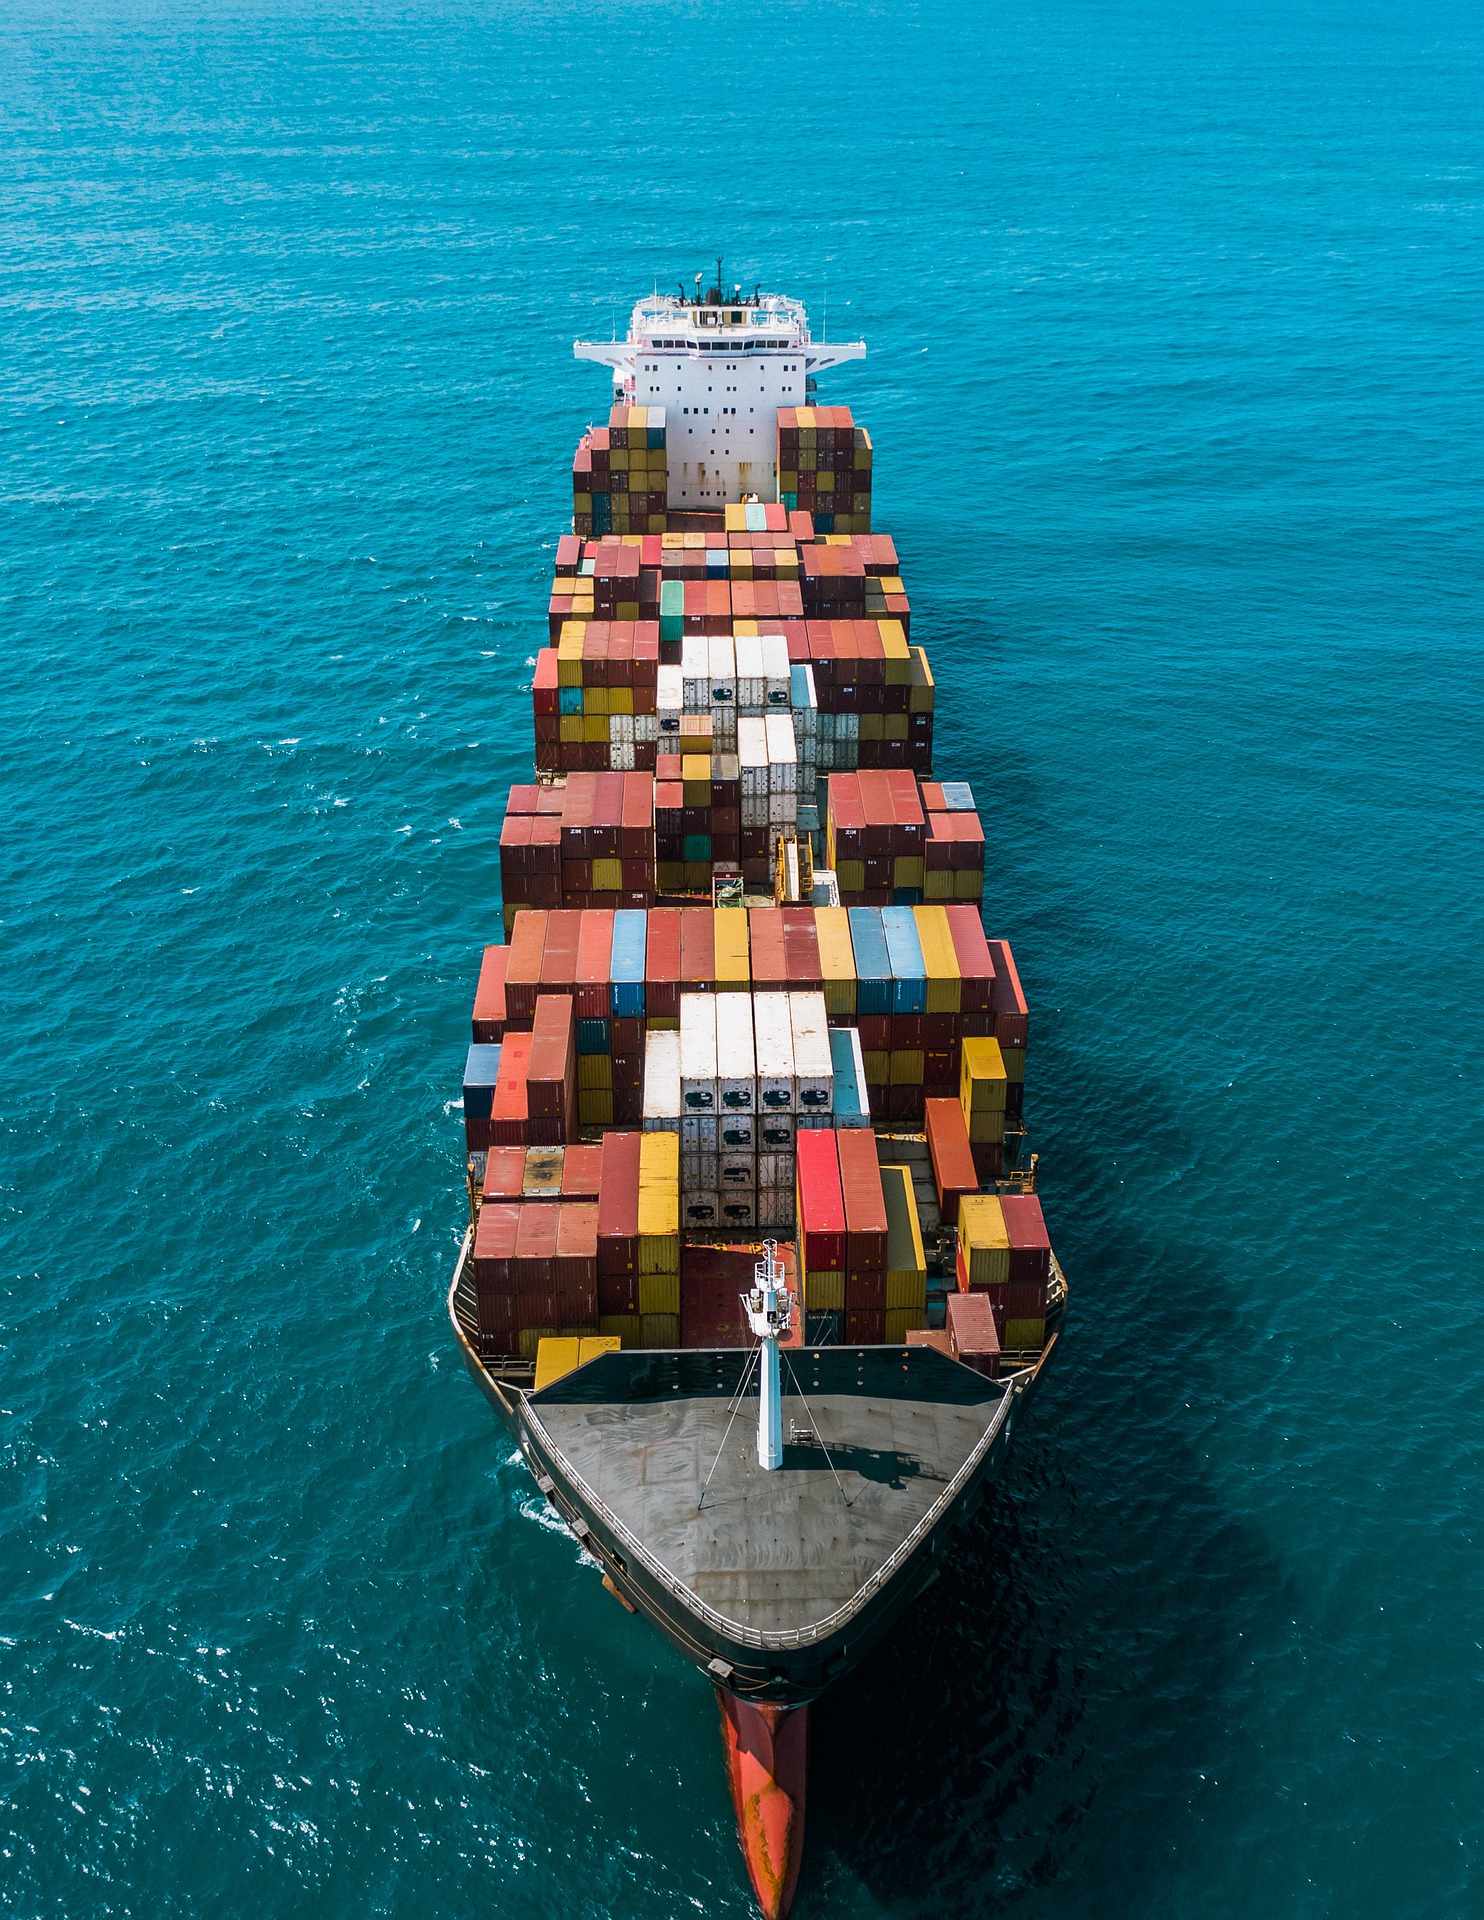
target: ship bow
<point>767,1756</point>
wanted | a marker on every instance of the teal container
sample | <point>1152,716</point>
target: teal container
<point>908,968</point>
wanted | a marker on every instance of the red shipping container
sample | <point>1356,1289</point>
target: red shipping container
<point>581,1173</point>
<point>523,970</point>
<point>594,960</point>
<point>494,1245</point>
<point>618,1208</point>
<point>864,1203</point>
<point>1010,1013</point>
<point>509,1113</point>
<point>504,1173</point>
<point>952,1157</point>
<point>864,1328</point>
<point>821,1204</point>
<point>576,1261</point>
<point>489,996</point>
<point>535,1248</point>
<point>697,950</point>
<point>662,965</point>
<point>1030,1246</point>
<point>769,961</point>
<point>973,1332</point>
<point>801,948</point>
<point>559,954</point>
<point>865,1290</point>
<point>551,1075</point>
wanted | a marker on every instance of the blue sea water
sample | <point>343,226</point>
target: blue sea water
<point>1174,316</point>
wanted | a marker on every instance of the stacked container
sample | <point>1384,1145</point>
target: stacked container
<point>1004,1253</point>
<point>866,1238</point>
<point>659,1240</point>
<point>906,1262</point>
<point>620,482</point>
<point>824,467</point>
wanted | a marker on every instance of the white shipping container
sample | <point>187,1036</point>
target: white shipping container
<point>738,1210</point>
<point>752,756</point>
<point>700,1210</point>
<point>621,756</point>
<point>736,1170</point>
<point>783,809</point>
<point>736,1130</point>
<point>736,1068</point>
<point>814,1072</point>
<point>783,753</point>
<point>669,699</point>
<point>698,1132</point>
<point>695,672</point>
<point>775,1170</point>
<point>662,1082</point>
<point>723,729</point>
<point>754,809</point>
<point>723,671</point>
<point>773,1036</point>
<point>647,727</point>
<point>748,650</point>
<point>775,669</point>
<point>775,1133</point>
<point>698,1052</point>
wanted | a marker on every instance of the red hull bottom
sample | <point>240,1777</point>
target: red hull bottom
<point>767,1755</point>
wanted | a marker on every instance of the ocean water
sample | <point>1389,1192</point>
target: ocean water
<point>1174,316</point>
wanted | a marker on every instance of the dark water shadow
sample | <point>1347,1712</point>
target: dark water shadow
<point>1027,1737</point>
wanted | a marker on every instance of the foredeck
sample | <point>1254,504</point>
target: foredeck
<point>788,1553</point>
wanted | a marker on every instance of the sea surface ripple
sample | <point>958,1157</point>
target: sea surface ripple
<point>1174,316</point>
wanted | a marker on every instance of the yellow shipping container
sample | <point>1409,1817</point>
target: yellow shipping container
<point>986,1129</point>
<point>571,727</point>
<point>595,1107</point>
<point>896,726</point>
<point>906,1066</point>
<point>595,700</point>
<point>659,1330</point>
<point>878,1068</point>
<point>555,1357</point>
<point>582,503</point>
<point>623,1327</point>
<point>594,1070</point>
<point>1024,1336</point>
<point>852,875</point>
<point>659,1293</point>
<point>920,699</point>
<point>906,1263</point>
<point>1014,1058</point>
<point>608,876</point>
<point>937,884</point>
<point>824,1292</point>
<point>873,727</point>
<point>968,884</point>
<point>729,943</point>
<point>985,1243</point>
<point>906,869</point>
<point>836,961</point>
<point>981,1077</point>
<point>940,957</point>
<point>736,517</point>
<point>900,1321</point>
<point>659,1202</point>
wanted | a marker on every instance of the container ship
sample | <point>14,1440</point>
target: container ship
<point>756,1272</point>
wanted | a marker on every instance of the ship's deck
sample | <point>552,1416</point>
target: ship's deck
<point>771,1552</point>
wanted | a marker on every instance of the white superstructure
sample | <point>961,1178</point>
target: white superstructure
<point>721,369</point>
